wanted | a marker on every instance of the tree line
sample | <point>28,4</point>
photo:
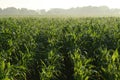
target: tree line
<point>78,11</point>
<point>15,11</point>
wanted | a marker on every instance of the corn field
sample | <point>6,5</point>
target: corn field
<point>48,48</point>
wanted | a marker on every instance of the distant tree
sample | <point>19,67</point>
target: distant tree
<point>0,11</point>
<point>14,11</point>
<point>42,11</point>
<point>23,11</point>
<point>10,11</point>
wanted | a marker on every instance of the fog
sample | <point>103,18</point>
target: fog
<point>79,11</point>
<point>65,4</point>
<point>60,7</point>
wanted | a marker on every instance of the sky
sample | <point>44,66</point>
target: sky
<point>49,4</point>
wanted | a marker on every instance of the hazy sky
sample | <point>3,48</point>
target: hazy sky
<point>48,4</point>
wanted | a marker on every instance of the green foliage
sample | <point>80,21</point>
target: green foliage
<point>49,48</point>
<point>111,68</point>
<point>50,68</point>
<point>11,72</point>
<point>82,66</point>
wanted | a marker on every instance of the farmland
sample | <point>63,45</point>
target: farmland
<point>47,48</point>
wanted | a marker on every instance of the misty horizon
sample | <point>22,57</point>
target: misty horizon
<point>60,8</point>
<point>64,4</point>
<point>78,11</point>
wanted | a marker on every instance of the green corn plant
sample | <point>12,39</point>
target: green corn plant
<point>5,69</point>
<point>82,66</point>
<point>111,68</point>
<point>11,72</point>
<point>50,68</point>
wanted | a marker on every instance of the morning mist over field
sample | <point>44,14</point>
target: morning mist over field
<point>60,7</point>
<point>65,4</point>
<point>78,11</point>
